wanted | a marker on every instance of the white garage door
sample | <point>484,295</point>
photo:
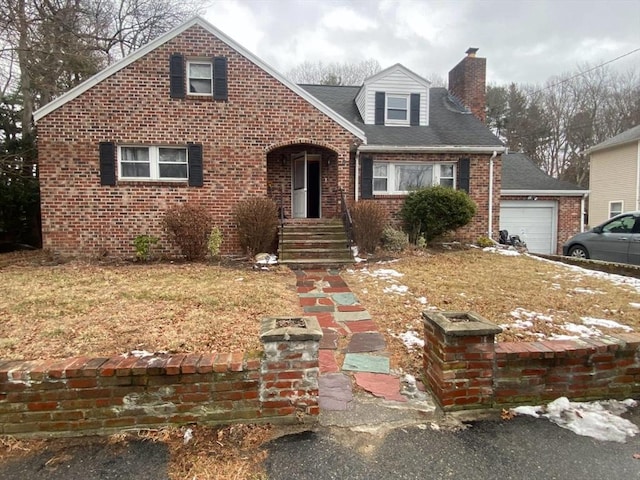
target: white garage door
<point>534,221</point>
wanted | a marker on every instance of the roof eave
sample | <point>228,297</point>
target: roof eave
<point>550,193</point>
<point>107,72</point>
<point>599,148</point>
<point>431,148</point>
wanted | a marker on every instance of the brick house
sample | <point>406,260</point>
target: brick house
<point>195,117</point>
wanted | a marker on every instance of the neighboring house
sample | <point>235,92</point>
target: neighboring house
<point>542,210</point>
<point>614,176</point>
<point>194,117</point>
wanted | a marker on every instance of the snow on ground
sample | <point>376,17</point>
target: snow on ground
<point>397,289</point>
<point>600,420</point>
<point>611,277</point>
<point>587,291</point>
<point>634,305</point>
<point>411,339</point>
<point>502,251</point>
<point>601,322</point>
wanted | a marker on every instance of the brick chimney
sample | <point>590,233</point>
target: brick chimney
<point>467,82</point>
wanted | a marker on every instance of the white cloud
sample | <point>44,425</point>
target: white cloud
<point>238,21</point>
<point>345,18</point>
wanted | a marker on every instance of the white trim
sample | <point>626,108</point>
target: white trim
<point>397,67</point>
<point>429,149</point>
<point>116,67</point>
<point>638,177</point>
<point>395,122</point>
<point>436,178</point>
<point>154,163</point>
<point>621,202</point>
<point>549,193</point>
<point>210,77</point>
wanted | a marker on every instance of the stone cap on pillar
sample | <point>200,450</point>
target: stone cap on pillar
<point>461,324</point>
<point>290,329</point>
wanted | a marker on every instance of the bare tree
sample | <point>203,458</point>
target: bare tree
<point>335,73</point>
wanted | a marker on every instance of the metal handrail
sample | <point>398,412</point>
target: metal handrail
<point>281,213</point>
<point>347,221</point>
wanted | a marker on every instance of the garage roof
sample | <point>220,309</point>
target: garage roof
<point>521,176</point>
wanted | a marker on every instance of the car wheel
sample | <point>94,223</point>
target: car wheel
<point>578,251</point>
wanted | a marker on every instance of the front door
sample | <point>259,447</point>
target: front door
<point>306,185</point>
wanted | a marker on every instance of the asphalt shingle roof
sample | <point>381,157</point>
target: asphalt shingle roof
<point>631,135</point>
<point>520,173</point>
<point>449,123</point>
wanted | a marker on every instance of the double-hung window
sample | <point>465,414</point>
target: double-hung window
<point>153,163</point>
<point>397,178</point>
<point>615,208</point>
<point>397,110</point>
<point>200,77</point>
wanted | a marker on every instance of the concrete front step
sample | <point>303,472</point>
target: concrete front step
<point>319,243</point>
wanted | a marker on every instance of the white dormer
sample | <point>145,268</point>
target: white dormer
<point>394,97</point>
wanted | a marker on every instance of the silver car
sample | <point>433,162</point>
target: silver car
<point>616,240</point>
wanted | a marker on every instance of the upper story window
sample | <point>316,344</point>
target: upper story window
<point>200,77</point>
<point>153,163</point>
<point>396,178</point>
<point>397,109</point>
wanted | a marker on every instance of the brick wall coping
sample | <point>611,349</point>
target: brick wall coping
<point>567,348</point>
<point>461,324</point>
<point>294,329</point>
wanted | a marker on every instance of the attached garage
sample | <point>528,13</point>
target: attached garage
<point>542,210</point>
<point>534,221</point>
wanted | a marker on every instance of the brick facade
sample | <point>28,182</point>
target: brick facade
<point>133,106</point>
<point>478,190</point>
<point>467,82</point>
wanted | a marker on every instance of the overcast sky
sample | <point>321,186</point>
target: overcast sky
<point>524,41</point>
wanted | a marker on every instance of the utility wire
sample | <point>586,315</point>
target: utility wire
<point>585,72</point>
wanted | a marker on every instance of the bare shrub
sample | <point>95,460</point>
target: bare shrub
<point>369,221</point>
<point>257,222</point>
<point>189,227</point>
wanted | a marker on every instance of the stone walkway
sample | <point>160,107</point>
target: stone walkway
<point>352,347</point>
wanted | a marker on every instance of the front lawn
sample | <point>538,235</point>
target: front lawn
<point>78,308</point>
<point>534,299</point>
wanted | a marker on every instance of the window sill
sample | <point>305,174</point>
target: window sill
<point>153,183</point>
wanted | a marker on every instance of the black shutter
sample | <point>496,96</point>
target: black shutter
<point>464,174</point>
<point>176,76</point>
<point>220,91</point>
<point>366,177</point>
<point>415,109</point>
<point>195,165</point>
<point>107,163</point>
<point>380,98</point>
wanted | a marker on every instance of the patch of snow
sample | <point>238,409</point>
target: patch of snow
<point>138,354</point>
<point>502,251</point>
<point>556,286</point>
<point>611,277</point>
<point>422,300</point>
<point>586,290</point>
<point>356,258</point>
<point>386,273</point>
<point>634,305</point>
<point>266,259</point>
<point>599,420</point>
<point>385,262</point>
<point>188,435</point>
<point>582,330</point>
<point>411,339</point>
<point>397,289</point>
<point>520,312</point>
<point>601,322</point>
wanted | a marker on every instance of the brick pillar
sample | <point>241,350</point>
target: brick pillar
<point>458,359</point>
<point>290,368</point>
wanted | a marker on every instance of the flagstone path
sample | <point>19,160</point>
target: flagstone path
<point>352,349</point>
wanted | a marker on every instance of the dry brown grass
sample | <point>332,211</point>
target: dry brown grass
<point>53,310</point>
<point>492,285</point>
<point>233,452</point>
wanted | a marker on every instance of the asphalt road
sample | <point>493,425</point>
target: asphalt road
<point>520,449</point>
<point>523,448</point>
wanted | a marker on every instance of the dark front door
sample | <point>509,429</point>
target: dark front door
<point>313,188</point>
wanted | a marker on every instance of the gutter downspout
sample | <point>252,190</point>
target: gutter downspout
<point>490,231</point>
<point>357,184</point>
<point>638,178</point>
<point>582,200</point>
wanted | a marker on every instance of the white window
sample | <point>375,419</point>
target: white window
<point>152,163</point>
<point>200,77</point>
<point>615,208</point>
<point>393,178</point>
<point>397,110</point>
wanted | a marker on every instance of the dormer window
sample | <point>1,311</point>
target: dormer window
<point>397,110</point>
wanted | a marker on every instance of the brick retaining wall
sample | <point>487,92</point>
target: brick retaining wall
<point>466,369</point>
<point>81,395</point>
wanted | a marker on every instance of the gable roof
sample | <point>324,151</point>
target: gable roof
<point>451,127</point>
<point>110,70</point>
<point>520,176</point>
<point>628,136</point>
<point>397,68</point>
